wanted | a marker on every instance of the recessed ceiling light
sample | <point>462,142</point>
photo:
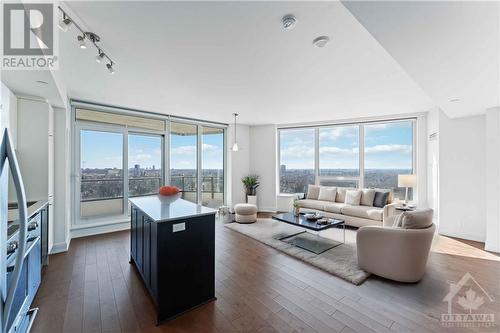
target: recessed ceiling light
<point>321,41</point>
<point>41,82</point>
<point>288,21</point>
<point>453,100</point>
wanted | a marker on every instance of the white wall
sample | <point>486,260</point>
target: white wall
<point>62,199</point>
<point>462,181</point>
<point>8,119</point>
<point>493,179</point>
<point>238,164</point>
<point>263,162</point>
<point>433,162</point>
<point>8,116</point>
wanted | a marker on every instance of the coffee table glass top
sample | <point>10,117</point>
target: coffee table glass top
<point>301,221</point>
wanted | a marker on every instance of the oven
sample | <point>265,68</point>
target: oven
<point>21,317</point>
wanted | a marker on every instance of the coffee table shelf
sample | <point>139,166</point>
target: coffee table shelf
<point>308,241</point>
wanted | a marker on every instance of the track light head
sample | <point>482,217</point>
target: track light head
<point>64,23</point>
<point>100,57</point>
<point>82,42</point>
<point>110,68</point>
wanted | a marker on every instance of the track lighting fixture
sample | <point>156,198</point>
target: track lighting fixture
<point>110,68</point>
<point>64,23</point>
<point>86,38</point>
<point>99,57</point>
<point>81,41</point>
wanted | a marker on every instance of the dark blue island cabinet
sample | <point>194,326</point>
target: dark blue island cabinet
<point>172,244</point>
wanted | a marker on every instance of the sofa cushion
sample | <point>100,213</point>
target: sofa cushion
<point>418,219</point>
<point>312,204</point>
<point>334,207</point>
<point>327,193</point>
<point>367,197</point>
<point>312,192</point>
<point>353,197</point>
<point>372,213</point>
<point>381,199</point>
<point>341,193</point>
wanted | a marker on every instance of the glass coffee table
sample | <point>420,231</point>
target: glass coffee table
<point>310,241</point>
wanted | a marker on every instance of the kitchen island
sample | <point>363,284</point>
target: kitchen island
<point>172,244</point>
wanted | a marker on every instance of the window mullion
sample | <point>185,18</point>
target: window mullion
<point>316,156</point>
<point>125,171</point>
<point>361,156</point>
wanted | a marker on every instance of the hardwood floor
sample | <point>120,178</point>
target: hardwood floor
<point>93,288</point>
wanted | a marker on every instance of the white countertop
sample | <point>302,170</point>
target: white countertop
<point>167,208</point>
<point>13,214</point>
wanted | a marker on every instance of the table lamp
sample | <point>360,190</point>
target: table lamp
<point>407,181</point>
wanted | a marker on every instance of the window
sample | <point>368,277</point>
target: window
<point>388,153</point>
<point>212,162</point>
<point>339,151</point>
<point>144,164</point>
<point>101,173</point>
<point>183,159</point>
<point>369,155</point>
<point>296,160</point>
<point>120,154</point>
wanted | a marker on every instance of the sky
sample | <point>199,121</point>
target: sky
<point>387,146</point>
<point>104,150</point>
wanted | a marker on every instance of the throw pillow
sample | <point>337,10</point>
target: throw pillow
<point>312,192</point>
<point>367,197</point>
<point>327,193</point>
<point>341,194</point>
<point>418,219</point>
<point>381,199</point>
<point>353,197</point>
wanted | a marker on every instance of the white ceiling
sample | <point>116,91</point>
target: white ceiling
<point>450,48</point>
<point>208,60</point>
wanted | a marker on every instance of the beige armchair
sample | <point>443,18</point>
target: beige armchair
<point>394,253</point>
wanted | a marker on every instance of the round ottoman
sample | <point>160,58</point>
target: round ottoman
<point>245,213</point>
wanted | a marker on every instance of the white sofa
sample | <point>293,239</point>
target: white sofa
<point>333,204</point>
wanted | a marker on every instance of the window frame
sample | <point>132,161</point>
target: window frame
<point>76,126</point>
<point>361,144</point>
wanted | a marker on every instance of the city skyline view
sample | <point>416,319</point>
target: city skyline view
<point>387,146</point>
<point>103,150</point>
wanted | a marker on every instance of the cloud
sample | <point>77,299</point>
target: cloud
<point>337,132</point>
<point>297,151</point>
<point>183,150</point>
<point>206,147</point>
<point>388,149</point>
<point>338,151</point>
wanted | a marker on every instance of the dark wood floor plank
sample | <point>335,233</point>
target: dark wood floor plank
<point>93,288</point>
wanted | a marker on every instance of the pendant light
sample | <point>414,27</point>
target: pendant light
<point>235,144</point>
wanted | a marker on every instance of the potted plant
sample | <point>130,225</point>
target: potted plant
<point>296,208</point>
<point>251,182</point>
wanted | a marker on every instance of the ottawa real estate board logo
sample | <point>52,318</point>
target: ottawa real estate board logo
<point>29,37</point>
<point>466,301</point>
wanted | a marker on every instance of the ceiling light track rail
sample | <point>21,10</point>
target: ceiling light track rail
<point>67,20</point>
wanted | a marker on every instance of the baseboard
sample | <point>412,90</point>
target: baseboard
<point>475,238</point>
<point>96,230</point>
<point>267,209</point>
<point>60,247</point>
<point>489,248</point>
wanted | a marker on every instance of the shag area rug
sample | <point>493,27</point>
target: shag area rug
<point>340,261</point>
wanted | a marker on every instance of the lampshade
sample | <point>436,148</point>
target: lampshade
<point>407,180</point>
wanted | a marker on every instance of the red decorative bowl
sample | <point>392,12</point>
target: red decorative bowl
<point>169,190</point>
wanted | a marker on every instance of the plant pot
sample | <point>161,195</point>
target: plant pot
<point>251,191</point>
